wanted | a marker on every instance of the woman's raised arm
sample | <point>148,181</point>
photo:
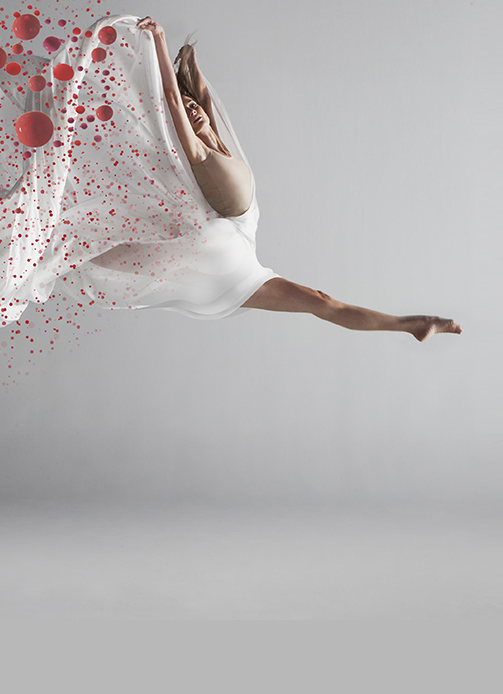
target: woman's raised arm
<point>169,80</point>
<point>192,145</point>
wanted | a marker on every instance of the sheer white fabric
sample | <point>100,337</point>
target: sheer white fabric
<point>119,221</point>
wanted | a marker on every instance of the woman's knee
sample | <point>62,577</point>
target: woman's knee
<point>328,306</point>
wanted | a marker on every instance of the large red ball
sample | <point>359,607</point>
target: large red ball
<point>63,72</point>
<point>34,129</point>
<point>3,57</point>
<point>13,68</point>
<point>98,55</point>
<point>26,27</point>
<point>107,35</point>
<point>52,43</point>
<point>104,112</point>
<point>37,83</point>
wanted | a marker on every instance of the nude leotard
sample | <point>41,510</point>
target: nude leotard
<point>225,183</point>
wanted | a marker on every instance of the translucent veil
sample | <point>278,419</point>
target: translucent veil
<point>109,210</point>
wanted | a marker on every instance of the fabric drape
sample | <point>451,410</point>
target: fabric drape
<point>109,210</point>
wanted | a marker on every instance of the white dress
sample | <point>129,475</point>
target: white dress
<point>122,184</point>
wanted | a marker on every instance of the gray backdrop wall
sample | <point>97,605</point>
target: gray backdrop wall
<point>375,133</point>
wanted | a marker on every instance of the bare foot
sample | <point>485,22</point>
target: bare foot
<point>423,327</point>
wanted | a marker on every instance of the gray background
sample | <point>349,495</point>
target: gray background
<point>375,133</point>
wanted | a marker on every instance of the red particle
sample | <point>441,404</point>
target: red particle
<point>88,34</point>
<point>104,113</point>
<point>13,68</point>
<point>99,54</point>
<point>34,129</point>
<point>80,109</point>
<point>77,31</point>
<point>107,35</point>
<point>26,27</point>
<point>52,43</point>
<point>17,48</point>
<point>63,72</point>
<point>37,83</point>
<point>3,57</point>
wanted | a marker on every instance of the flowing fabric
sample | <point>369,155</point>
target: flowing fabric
<point>110,210</point>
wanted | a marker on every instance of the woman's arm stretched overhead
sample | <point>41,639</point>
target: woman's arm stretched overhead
<point>168,74</point>
<point>192,145</point>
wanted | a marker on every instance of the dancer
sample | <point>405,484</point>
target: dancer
<point>224,183</point>
<point>143,198</point>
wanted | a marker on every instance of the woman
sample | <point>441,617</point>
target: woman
<point>225,184</point>
<point>134,207</point>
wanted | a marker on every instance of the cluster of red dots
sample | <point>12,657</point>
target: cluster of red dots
<point>54,322</point>
<point>35,129</point>
<point>72,136</point>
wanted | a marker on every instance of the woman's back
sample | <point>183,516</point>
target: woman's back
<point>225,182</point>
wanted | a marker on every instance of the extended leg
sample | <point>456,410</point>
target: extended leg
<point>279,294</point>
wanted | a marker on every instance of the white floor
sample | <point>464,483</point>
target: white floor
<point>199,562</point>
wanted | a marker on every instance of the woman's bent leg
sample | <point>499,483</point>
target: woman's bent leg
<point>279,294</point>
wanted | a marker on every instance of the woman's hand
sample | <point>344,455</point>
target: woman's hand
<point>151,25</point>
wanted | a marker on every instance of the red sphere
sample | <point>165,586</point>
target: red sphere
<point>26,27</point>
<point>17,48</point>
<point>3,57</point>
<point>52,43</point>
<point>34,129</point>
<point>13,68</point>
<point>63,72</point>
<point>98,55</point>
<point>37,83</point>
<point>107,35</point>
<point>104,112</point>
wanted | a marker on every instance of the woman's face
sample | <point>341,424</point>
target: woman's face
<point>196,114</point>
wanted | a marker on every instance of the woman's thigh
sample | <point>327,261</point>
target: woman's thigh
<point>279,294</point>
